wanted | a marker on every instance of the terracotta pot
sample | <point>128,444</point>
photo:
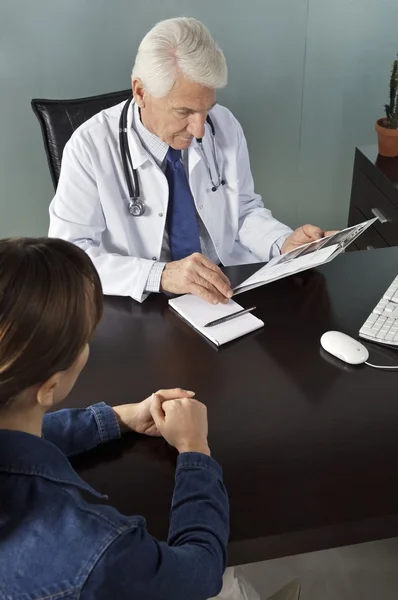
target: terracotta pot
<point>388,139</point>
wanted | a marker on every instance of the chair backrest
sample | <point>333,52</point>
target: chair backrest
<point>59,118</point>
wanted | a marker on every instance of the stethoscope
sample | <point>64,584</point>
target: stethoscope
<point>136,205</point>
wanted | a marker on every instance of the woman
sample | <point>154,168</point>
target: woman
<point>54,543</point>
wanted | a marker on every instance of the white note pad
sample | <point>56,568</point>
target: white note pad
<point>198,312</point>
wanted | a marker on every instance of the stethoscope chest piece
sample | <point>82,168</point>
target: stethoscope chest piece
<point>136,208</point>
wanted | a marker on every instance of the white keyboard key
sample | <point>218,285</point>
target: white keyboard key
<point>367,331</point>
<point>390,308</point>
<point>380,307</point>
<point>371,319</point>
<point>382,324</point>
<point>390,292</point>
<point>380,321</point>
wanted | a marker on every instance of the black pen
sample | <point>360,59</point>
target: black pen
<point>229,317</point>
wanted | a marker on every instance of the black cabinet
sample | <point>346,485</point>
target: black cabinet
<point>374,193</point>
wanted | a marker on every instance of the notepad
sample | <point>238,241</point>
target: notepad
<point>197,313</point>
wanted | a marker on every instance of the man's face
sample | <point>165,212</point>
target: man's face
<point>178,117</point>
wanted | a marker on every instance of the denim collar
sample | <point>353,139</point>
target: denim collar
<point>26,454</point>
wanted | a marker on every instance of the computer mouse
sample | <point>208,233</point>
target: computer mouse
<point>336,362</point>
<point>344,347</point>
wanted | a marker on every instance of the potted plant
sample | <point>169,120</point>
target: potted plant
<point>387,127</point>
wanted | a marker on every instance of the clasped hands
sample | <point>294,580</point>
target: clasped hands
<point>173,414</point>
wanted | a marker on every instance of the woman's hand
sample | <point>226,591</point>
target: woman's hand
<point>138,418</point>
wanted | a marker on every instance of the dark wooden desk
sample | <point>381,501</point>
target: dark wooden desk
<point>309,448</point>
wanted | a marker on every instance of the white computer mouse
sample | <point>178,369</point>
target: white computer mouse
<point>344,347</point>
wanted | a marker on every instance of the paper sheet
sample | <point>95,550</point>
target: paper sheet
<point>270,271</point>
<point>304,257</point>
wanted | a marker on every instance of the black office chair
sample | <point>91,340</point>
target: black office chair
<point>59,118</point>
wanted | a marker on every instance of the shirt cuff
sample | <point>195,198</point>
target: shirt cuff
<point>187,460</point>
<point>155,277</point>
<point>107,423</point>
<point>276,247</point>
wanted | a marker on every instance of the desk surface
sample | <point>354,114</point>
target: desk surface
<point>309,448</point>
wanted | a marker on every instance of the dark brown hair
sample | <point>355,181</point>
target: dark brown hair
<point>50,304</point>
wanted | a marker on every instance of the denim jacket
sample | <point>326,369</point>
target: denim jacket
<point>56,545</point>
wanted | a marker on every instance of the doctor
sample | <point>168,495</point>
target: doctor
<point>157,193</point>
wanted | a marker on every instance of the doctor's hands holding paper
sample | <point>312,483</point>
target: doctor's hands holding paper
<point>199,276</point>
<point>304,235</point>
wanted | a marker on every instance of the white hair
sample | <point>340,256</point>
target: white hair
<point>181,46</point>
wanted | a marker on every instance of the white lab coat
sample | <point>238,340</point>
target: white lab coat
<point>90,207</point>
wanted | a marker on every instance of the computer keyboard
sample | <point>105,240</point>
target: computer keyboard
<point>382,324</point>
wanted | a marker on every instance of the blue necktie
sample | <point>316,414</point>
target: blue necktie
<point>181,215</point>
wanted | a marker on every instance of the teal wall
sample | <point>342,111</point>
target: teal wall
<point>308,78</point>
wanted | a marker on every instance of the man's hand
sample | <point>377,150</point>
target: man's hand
<point>196,275</point>
<point>138,417</point>
<point>304,235</point>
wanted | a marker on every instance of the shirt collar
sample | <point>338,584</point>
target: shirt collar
<point>151,142</point>
<point>26,454</point>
